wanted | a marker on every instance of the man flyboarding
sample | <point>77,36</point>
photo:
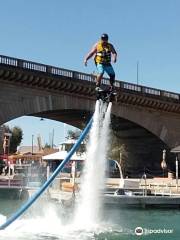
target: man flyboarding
<point>102,52</point>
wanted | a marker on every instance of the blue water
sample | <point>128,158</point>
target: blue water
<point>53,223</point>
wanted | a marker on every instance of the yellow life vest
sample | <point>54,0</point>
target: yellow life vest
<point>103,54</point>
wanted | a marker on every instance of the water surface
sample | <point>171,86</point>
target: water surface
<point>52,222</point>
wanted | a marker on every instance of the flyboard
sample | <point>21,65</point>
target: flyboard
<point>106,95</point>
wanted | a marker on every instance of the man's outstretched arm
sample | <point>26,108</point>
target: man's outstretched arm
<point>114,53</point>
<point>90,54</point>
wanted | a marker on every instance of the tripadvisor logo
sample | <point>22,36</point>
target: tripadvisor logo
<point>139,231</point>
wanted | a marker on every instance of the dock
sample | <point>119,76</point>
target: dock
<point>142,201</point>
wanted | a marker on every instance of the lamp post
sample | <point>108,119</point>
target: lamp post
<point>163,163</point>
<point>32,143</point>
<point>137,72</point>
<point>120,163</point>
<point>145,182</point>
<point>176,150</point>
<point>177,173</point>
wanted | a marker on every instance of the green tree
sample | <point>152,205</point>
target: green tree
<point>73,134</point>
<point>16,138</point>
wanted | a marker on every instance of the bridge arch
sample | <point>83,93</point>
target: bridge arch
<point>144,148</point>
<point>17,101</point>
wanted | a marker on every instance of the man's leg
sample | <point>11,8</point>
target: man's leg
<point>110,71</point>
<point>112,80</point>
<point>100,69</point>
<point>98,80</point>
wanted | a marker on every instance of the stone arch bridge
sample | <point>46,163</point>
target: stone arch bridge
<point>146,120</point>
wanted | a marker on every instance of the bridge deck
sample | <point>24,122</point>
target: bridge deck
<point>59,79</point>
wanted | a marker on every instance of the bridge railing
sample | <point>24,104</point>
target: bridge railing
<point>170,95</point>
<point>60,72</point>
<point>33,66</point>
<point>85,77</point>
<point>9,61</point>
<point>131,87</point>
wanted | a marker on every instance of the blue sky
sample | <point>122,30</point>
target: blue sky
<point>60,33</point>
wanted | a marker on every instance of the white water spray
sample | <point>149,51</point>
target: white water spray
<point>93,180</point>
<point>93,183</point>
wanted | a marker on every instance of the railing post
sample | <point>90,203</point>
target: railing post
<point>121,85</point>
<point>49,69</point>
<point>74,74</point>
<point>20,63</point>
<point>143,89</point>
<point>161,93</point>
